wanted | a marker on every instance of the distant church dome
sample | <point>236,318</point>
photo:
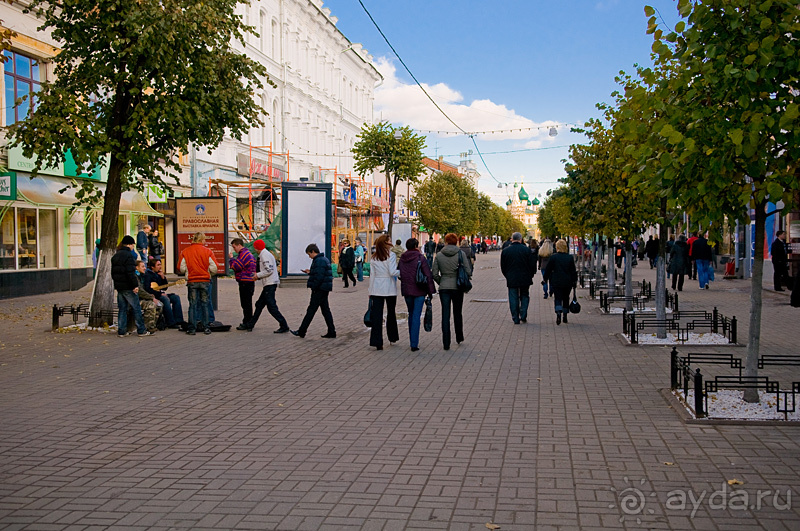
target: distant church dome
<point>536,201</point>
<point>523,195</point>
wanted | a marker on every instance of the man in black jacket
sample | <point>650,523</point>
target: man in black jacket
<point>320,282</point>
<point>123,273</point>
<point>518,265</point>
<point>780,261</point>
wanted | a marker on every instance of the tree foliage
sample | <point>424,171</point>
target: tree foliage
<point>136,82</point>
<point>399,158</point>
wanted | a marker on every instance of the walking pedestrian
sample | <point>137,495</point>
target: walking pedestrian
<point>198,264</point>
<point>780,262</point>
<point>545,252</point>
<point>320,282</point>
<point>347,261</point>
<point>651,250</point>
<point>563,277</point>
<point>244,268</point>
<point>466,248</point>
<point>414,293</point>
<point>123,273</point>
<point>397,249</point>
<point>679,264</point>
<point>445,271</point>
<point>701,254</point>
<point>270,280</point>
<point>383,275</point>
<point>359,252</point>
<point>518,266</point>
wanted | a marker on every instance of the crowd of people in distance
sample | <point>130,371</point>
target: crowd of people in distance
<point>444,268</point>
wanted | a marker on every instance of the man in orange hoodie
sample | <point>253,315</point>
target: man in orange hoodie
<point>197,262</point>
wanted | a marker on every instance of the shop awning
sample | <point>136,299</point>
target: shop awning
<point>46,191</point>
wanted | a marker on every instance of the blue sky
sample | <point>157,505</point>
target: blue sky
<point>501,65</point>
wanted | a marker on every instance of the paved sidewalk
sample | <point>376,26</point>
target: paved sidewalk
<point>526,426</point>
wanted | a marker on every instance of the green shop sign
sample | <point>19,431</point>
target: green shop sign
<point>69,168</point>
<point>8,186</point>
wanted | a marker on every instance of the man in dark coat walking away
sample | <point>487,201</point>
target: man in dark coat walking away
<point>780,261</point>
<point>518,265</point>
<point>320,282</point>
<point>651,250</point>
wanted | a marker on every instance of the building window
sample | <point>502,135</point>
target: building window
<point>262,30</point>
<point>274,50</point>
<point>21,79</point>
<point>8,252</point>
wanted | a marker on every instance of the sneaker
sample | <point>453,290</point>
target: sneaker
<point>414,349</point>
<point>126,334</point>
<point>706,286</point>
<point>281,331</point>
<point>147,333</point>
<point>191,332</point>
<point>207,331</point>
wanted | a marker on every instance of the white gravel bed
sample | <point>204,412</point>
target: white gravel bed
<point>728,404</point>
<point>84,327</point>
<point>672,339</point>
<point>646,310</point>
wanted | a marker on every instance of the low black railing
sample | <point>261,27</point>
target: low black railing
<point>638,301</point>
<point>682,376</point>
<point>712,321</point>
<point>81,310</point>
<point>643,288</point>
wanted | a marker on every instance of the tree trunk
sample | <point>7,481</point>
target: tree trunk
<point>628,276</point>
<point>102,302</point>
<point>612,251</point>
<point>598,261</point>
<point>661,273</point>
<point>392,186</point>
<point>756,284</point>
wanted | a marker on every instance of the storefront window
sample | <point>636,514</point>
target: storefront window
<point>26,244</point>
<point>8,255</point>
<point>48,239</point>
<point>91,233</point>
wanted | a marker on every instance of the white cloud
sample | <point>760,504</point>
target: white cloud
<point>398,102</point>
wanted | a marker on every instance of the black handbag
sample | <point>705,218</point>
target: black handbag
<point>574,306</point>
<point>420,278</point>
<point>368,315</point>
<point>427,322</point>
<point>463,283</point>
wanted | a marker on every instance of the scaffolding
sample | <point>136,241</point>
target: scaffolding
<point>263,187</point>
<point>357,209</point>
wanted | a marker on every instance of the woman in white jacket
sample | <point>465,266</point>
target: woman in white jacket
<point>383,275</point>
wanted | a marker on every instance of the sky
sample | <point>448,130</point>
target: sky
<point>497,66</point>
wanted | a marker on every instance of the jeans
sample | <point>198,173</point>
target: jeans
<point>173,312</point>
<point>246,291</point>
<point>128,299</point>
<point>319,300</point>
<point>702,272</point>
<point>456,298</point>
<point>414,306</point>
<point>546,288</point>
<point>267,299</point>
<point>376,319</point>
<point>561,299</point>
<point>198,302</point>
<point>518,301</point>
<point>210,304</point>
<point>360,271</point>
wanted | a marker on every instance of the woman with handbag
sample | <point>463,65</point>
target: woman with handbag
<point>445,273</point>
<point>544,254</point>
<point>563,277</point>
<point>416,283</point>
<point>383,290</point>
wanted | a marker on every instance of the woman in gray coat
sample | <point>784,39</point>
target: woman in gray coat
<point>445,269</point>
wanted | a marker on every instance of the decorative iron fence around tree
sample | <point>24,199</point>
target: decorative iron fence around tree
<point>713,321</point>
<point>81,310</point>
<point>685,375</point>
<point>638,301</point>
<point>643,288</point>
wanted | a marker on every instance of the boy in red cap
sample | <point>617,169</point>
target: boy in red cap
<point>268,275</point>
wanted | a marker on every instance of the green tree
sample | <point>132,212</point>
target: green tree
<point>397,151</point>
<point>136,82</point>
<point>446,202</point>
<point>731,118</point>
